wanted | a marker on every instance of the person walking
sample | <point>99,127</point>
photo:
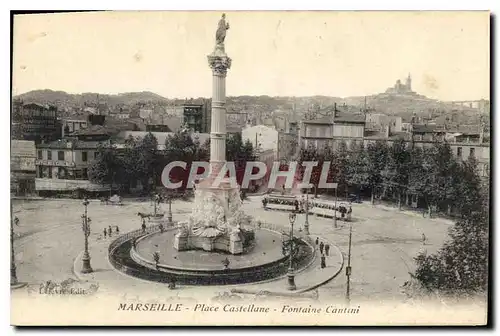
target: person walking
<point>424,238</point>
<point>321,246</point>
<point>143,226</point>
<point>117,230</point>
<point>110,231</point>
<point>317,241</point>
<point>105,232</point>
<point>323,261</point>
<point>327,249</point>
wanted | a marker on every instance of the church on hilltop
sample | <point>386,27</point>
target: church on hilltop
<point>400,88</point>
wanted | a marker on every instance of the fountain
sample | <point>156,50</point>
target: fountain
<point>217,221</point>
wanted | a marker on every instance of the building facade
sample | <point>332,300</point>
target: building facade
<point>22,167</point>
<point>72,125</point>
<point>329,131</point>
<point>35,122</point>
<point>62,167</point>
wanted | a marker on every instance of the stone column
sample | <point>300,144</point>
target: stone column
<point>219,62</point>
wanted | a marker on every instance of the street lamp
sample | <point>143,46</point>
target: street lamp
<point>335,209</point>
<point>169,216</point>
<point>291,276</point>
<point>348,269</point>
<point>86,268</point>
<point>13,274</point>
<point>306,224</point>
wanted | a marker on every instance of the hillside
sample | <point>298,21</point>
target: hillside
<point>61,98</point>
<point>261,108</point>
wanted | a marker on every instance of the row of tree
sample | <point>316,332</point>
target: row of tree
<point>440,180</point>
<point>398,172</point>
<point>140,159</point>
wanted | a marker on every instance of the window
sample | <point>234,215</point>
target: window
<point>50,172</point>
<point>40,155</point>
<point>60,155</point>
<point>459,151</point>
<point>84,156</point>
<point>49,155</point>
<point>472,152</point>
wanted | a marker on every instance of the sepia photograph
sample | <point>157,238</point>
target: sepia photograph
<point>240,168</point>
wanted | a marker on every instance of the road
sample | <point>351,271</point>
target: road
<point>384,240</point>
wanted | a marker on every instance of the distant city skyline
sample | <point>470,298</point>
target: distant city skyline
<point>338,54</point>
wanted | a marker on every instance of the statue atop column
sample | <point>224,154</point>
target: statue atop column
<point>218,60</point>
<point>220,35</point>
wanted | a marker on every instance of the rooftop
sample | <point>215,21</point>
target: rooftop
<point>70,144</point>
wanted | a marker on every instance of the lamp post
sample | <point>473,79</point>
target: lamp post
<point>291,276</point>
<point>335,209</point>
<point>13,274</point>
<point>86,268</point>
<point>348,269</point>
<point>155,199</point>
<point>169,216</point>
<point>306,224</point>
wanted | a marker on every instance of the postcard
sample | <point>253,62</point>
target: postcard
<point>250,168</point>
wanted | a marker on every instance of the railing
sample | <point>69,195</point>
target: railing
<point>132,234</point>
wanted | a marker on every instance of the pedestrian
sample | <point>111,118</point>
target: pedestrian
<point>423,238</point>
<point>117,230</point>
<point>327,249</point>
<point>296,203</point>
<point>323,261</point>
<point>105,232</point>
<point>143,226</point>
<point>321,246</point>
<point>110,231</point>
<point>317,241</point>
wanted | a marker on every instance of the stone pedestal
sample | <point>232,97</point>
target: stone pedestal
<point>235,246</point>
<point>181,243</point>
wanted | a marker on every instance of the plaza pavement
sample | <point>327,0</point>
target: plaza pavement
<point>384,242</point>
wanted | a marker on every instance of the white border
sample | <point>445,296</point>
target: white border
<point>492,5</point>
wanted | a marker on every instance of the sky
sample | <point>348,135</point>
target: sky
<point>337,54</point>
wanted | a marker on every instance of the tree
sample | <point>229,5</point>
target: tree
<point>103,168</point>
<point>182,147</point>
<point>340,167</point>
<point>461,265</point>
<point>376,159</point>
<point>467,188</point>
<point>310,154</point>
<point>358,167</point>
<point>430,174</point>
<point>397,170</point>
<point>147,160</point>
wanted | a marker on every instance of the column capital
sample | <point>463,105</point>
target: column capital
<point>219,62</point>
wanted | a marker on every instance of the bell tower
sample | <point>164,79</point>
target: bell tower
<point>408,83</point>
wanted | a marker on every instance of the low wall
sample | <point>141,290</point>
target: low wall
<point>126,259</point>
